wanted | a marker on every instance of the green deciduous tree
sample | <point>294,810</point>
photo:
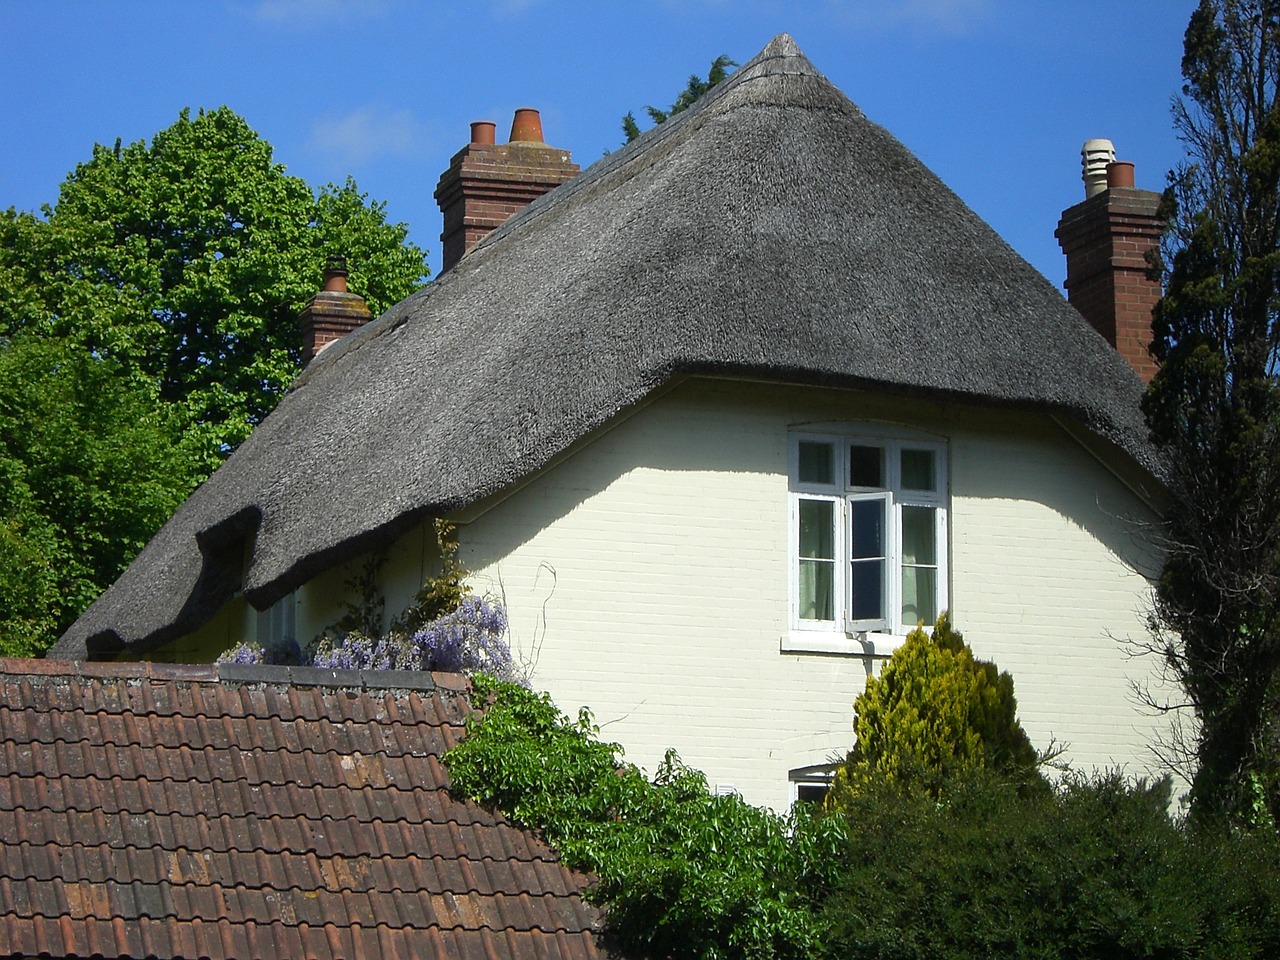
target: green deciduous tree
<point>1214,407</point>
<point>187,259</point>
<point>933,713</point>
<point>167,277</point>
<point>89,468</point>
<point>695,88</point>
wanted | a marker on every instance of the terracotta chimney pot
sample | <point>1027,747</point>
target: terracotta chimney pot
<point>526,127</point>
<point>486,182</point>
<point>332,313</point>
<point>335,275</point>
<point>1120,174</point>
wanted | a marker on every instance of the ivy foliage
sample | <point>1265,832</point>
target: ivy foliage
<point>934,712</point>
<point>682,872</point>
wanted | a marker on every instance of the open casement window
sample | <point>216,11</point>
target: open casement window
<point>869,538</point>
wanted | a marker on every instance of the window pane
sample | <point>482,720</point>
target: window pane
<point>812,792</point>
<point>919,540</point>
<point>815,462</point>
<point>817,529</point>
<point>866,467</point>
<point>917,470</point>
<point>919,593</point>
<point>867,520</point>
<point>817,590</point>
<point>867,602</point>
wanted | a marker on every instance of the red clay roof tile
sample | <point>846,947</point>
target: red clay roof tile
<point>158,810</point>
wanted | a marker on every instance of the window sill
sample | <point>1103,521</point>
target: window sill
<point>849,644</point>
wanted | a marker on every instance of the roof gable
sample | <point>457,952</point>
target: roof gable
<point>227,811</point>
<point>769,232</point>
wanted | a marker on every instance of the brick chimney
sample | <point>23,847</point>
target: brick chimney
<point>1106,238</point>
<point>332,313</point>
<point>487,182</point>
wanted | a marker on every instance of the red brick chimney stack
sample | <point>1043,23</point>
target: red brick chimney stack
<point>1106,238</point>
<point>332,313</point>
<point>487,182</point>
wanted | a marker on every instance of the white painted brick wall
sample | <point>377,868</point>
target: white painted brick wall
<point>668,541</point>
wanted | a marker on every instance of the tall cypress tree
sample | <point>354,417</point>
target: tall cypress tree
<point>1214,407</point>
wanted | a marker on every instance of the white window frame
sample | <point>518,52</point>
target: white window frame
<point>819,775</point>
<point>878,637</point>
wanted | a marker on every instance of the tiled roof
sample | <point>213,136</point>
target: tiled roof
<point>152,810</point>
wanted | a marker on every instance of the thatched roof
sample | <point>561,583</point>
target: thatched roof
<point>769,232</point>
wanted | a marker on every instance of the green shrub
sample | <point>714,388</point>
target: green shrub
<point>681,871</point>
<point>1093,869</point>
<point>933,713</point>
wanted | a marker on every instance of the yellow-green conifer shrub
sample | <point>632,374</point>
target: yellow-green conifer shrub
<point>934,713</point>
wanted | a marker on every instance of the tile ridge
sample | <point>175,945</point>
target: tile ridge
<point>231,673</point>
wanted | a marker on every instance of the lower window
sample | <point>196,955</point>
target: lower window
<point>811,784</point>
<point>278,624</point>
<point>869,533</point>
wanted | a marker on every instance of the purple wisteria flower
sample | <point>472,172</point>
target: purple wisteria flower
<point>471,639</point>
<point>287,652</point>
<point>243,653</point>
<point>358,652</point>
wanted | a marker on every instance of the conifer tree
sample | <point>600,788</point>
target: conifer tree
<point>934,713</point>
<point>1214,408</point>
<point>695,88</point>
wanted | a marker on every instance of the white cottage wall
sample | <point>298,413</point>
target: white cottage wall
<point>646,576</point>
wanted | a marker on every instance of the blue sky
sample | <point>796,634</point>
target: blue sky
<point>996,96</point>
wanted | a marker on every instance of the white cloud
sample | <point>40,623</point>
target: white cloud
<point>365,134</point>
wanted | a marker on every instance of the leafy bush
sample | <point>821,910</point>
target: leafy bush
<point>683,872</point>
<point>1094,869</point>
<point>977,867</point>
<point>934,712</point>
<point>439,594</point>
